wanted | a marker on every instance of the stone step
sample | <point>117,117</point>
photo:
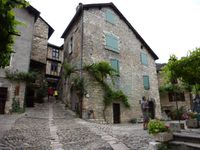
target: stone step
<point>192,137</point>
<point>100,121</point>
<point>184,145</point>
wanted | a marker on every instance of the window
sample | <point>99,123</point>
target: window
<point>110,17</point>
<point>115,64</point>
<point>54,66</point>
<point>173,96</point>
<point>146,82</point>
<point>112,43</point>
<point>70,45</point>
<point>55,54</point>
<point>143,58</point>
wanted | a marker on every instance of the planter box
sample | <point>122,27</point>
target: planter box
<point>163,136</point>
<point>192,123</point>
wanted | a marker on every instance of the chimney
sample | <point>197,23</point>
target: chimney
<point>79,5</point>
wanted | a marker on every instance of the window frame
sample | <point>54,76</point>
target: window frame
<point>55,53</point>
<point>54,67</point>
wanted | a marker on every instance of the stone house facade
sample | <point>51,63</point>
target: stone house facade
<point>99,32</point>
<point>168,99</point>
<point>38,59</point>
<point>19,61</point>
<point>30,50</point>
<point>54,64</point>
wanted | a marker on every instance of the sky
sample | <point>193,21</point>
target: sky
<point>168,26</point>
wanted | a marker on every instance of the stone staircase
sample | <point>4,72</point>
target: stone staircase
<point>186,140</point>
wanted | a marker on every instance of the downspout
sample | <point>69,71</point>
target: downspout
<point>81,69</point>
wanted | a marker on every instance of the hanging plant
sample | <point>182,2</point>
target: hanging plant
<point>21,76</point>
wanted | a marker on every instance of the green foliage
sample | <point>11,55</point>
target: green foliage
<point>8,25</point>
<point>156,126</point>
<point>101,71</point>
<point>110,96</point>
<point>186,70</point>
<point>177,114</point>
<point>68,69</point>
<point>164,146</point>
<point>41,91</point>
<point>21,76</point>
<point>16,106</point>
<point>79,86</point>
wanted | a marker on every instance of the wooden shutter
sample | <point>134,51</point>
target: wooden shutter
<point>143,58</point>
<point>110,17</point>
<point>112,43</point>
<point>115,64</point>
<point>146,82</point>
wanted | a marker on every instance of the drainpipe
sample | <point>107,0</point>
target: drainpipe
<point>81,69</point>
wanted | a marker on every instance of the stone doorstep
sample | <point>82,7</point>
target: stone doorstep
<point>194,145</point>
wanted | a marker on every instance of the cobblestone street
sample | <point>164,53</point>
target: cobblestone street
<point>50,126</point>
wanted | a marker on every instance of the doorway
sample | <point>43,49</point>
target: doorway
<point>3,98</point>
<point>116,113</point>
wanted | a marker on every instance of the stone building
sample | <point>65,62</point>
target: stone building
<point>168,99</point>
<point>38,59</point>
<point>19,60</point>
<point>54,63</point>
<point>30,50</point>
<point>100,32</point>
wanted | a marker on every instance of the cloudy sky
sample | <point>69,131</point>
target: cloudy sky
<point>168,26</point>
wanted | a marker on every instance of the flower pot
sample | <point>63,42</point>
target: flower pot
<point>163,136</point>
<point>192,123</point>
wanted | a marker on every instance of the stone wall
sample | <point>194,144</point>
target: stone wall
<point>40,40</point>
<point>131,69</point>
<point>20,60</point>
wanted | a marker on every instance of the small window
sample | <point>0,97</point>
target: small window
<point>115,64</point>
<point>173,96</point>
<point>146,82</point>
<point>112,43</point>
<point>110,17</point>
<point>143,58</point>
<point>55,54</point>
<point>70,45</point>
<point>54,66</point>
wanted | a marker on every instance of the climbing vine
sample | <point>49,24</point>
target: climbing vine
<point>8,25</point>
<point>100,71</point>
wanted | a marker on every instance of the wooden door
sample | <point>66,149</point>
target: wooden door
<point>116,113</point>
<point>3,98</point>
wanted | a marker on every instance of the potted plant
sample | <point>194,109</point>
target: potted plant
<point>159,130</point>
<point>192,121</point>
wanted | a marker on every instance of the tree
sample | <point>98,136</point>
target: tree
<point>8,30</point>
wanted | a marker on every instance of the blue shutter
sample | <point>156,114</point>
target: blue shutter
<point>115,64</point>
<point>146,82</point>
<point>110,17</point>
<point>143,58</point>
<point>112,43</point>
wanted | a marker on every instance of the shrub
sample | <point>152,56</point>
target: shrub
<point>157,126</point>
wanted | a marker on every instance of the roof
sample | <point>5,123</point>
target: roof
<point>33,11</point>
<point>111,5</point>
<point>36,13</point>
<point>160,66</point>
<point>55,46</point>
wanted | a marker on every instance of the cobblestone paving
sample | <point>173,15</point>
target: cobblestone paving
<point>31,132</point>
